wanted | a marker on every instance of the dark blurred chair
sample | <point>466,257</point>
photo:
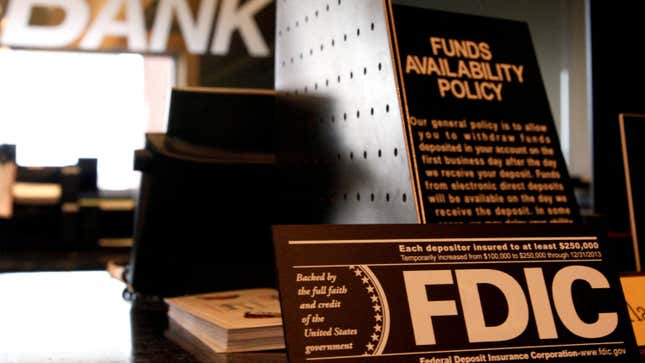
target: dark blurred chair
<point>208,196</point>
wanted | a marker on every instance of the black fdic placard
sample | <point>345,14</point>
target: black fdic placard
<point>447,293</point>
<point>481,139</point>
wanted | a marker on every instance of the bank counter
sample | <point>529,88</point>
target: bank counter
<point>81,316</point>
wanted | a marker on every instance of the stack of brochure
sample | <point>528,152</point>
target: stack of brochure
<point>231,321</point>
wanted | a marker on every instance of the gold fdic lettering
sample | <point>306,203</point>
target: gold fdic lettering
<point>470,90</point>
<point>444,67</point>
<point>519,72</point>
<point>464,69</point>
<point>460,48</point>
<point>476,70</point>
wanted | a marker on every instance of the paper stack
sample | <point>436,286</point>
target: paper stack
<point>231,321</point>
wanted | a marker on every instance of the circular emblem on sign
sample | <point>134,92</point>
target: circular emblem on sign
<point>377,302</point>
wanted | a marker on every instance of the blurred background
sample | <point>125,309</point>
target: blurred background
<point>82,81</point>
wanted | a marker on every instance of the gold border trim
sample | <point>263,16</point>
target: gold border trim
<point>400,87</point>
<point>628,183</point>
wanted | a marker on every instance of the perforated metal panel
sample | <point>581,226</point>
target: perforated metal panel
<point>338,103</point>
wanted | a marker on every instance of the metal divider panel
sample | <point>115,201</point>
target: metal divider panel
<point>339,112</point>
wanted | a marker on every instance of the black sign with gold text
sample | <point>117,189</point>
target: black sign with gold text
<point>480,133</point>
<point>447,293</point>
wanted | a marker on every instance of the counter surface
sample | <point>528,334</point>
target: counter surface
<point>81,316</point>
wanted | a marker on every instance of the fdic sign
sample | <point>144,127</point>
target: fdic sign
<point>449,294</point>
<point>206,26</point>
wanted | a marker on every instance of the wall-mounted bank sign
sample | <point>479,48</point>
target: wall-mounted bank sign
<point>196,26</point>
<point>450,294</point>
